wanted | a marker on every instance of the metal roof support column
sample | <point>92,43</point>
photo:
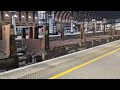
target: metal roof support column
<point>104,29</point>
<point>104,24</point>
<point>46,33</point>
<point>50,24</point>
<point>111,31</point>
<point>13,21</point>
<point>114,27</point>
<point>72,25</point>
<point>42,18</point>
<point>95,26</point>
<point>62,31</point>
<point>45,44</point>
<point>46,37</point>
<point>101,25</point>
<point>82,35</point>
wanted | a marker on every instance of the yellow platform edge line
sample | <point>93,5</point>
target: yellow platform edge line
<point>81,65</point>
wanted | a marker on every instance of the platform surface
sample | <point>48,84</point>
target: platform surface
<point>105,68</point>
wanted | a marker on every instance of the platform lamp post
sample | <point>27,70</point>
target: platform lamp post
<point>13,21</point>
<point>104,23</point>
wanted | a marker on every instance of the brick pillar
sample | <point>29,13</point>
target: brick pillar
<point>9,48</point>
<point>13,48</point>
<point>46,37</point>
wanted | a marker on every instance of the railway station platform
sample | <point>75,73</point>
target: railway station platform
<point>100,62</point>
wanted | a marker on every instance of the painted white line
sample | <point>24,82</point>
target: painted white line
<point>21,68</point>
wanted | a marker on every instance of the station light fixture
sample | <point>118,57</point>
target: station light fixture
<point>93,20</point>
<point>98,22</point>
<point>6,15</point>
<point>15,16</point>
<point>36,18</point>
<point>73,25</point>
<point>29,16</point>
<point>23,16</point>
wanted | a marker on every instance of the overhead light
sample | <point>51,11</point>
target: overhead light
<point>93,20</point>
<point>29,16</point>
<point>6,15</point>
<point>23,16</point>
<point>42,11</point>
<point>73,25</point>
<point>98,21</point>
<point>35,17</point>
<point>13,11</point>
<point>15,15</point>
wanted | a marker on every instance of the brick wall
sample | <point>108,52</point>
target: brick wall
<point>33,43</point>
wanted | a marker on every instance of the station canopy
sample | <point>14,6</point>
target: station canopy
<point>82,15</point>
